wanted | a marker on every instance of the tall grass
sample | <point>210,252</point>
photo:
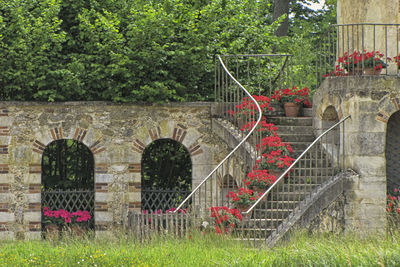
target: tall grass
<point>204,250</point>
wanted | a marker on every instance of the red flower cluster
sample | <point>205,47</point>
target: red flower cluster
<point>274,160</point>
<point>274,143</point>
<point>293,95</point>
<point>259,178</point>
<point>393,203</point>
<point>365,58</point>
<point>244,197</point>
<point>68,217</point>
<point>226,219</point>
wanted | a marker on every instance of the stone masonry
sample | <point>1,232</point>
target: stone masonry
<point>370,101</point>
<point>116,135</point>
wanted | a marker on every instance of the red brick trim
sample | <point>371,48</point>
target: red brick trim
<point>35,226</point>
<point>35,168</point>
<point>138,146</point>
<point>135,205</point>
<point>101,206</point>
<point>38,147</point>
<point>97,147</point>
<point>179,134</point>
<point>135,187</point>
<point>155,133</point>
<point>4,188</point>
<point>101,187</point>
<point>4,207</point>
<point>134,167</point>
<point>195,149</point>
<point>3,112</point>
<point>101,168</point>
<point>4,168</point>
<point>34,207</point>
<point>4,131</point>
<point>79,134</point>
<point>4,149</point>
<point>56,133</point>
<point>35,188</point>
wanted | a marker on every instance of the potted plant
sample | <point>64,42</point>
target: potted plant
<point>292,99</point>
<point>225,219</point>
<point>246,112</point>
<point>243,199</point>
<point>275,162</point>
<point>274,143</point>
<point>259,180</point>
<point>370,61</point>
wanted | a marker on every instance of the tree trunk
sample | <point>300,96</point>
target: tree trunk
<point>281,7</point>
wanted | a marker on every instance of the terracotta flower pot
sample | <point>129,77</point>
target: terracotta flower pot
<point>259,189</point>
<point>372,71</point>
<point>357,71</point>
<point>243,208</point>
<point>291,109</point>
<point>277,174</point>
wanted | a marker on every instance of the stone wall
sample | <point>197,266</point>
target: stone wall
<point>370,101</point>
<point>116,134</point>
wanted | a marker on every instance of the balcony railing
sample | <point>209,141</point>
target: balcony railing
<point>358,50</point>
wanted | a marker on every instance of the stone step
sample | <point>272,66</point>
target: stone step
<point>292,137</point>
<point>307,112</point>
<point>289,121</point>
<point>289,129</point>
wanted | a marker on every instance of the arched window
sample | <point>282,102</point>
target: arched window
<point>166,175</point>
<point>68,178</point>
<point>393,153</point>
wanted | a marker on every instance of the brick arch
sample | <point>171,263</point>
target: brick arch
<point>388,105</point>
<point>329,101</point>
<point>174,131</point>
<point>79,135</point>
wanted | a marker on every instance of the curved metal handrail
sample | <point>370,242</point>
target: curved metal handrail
<point>237,147</point>
<point>293,164</point>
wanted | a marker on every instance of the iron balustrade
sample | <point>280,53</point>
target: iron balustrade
<point>155,199</point>
<point>322,159</point>
<point>263,74</point>
<point>342,39</point>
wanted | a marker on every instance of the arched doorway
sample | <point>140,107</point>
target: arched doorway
<point>68,180</point>
<point>166,175</point>
<point>393,153</point>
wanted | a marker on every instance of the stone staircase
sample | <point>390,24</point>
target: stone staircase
<point>286,197</point>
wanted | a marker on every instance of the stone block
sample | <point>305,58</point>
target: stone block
<point>368,123</point>
<point>103,197</point>
<point>134,197</point>
<point>33,198</point>
<point>6,178</point>
<point>369,167</point>
<point>5,140</point>
<point>366,144</point>
<point>20,154</point>
<point>7,217</point>
<point>6,198</point>
<point>32,217</point>
<point>103,178</point>
<point>33,178</point>
<point>103,216</point>
<point>133,177</point>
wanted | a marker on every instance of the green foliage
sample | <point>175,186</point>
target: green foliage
<point>197,249</point>
<point>67,164</point>
<point>124,51</point>
<point>166,164</point>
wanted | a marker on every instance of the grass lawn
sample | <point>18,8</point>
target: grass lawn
<point>204,250</point>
